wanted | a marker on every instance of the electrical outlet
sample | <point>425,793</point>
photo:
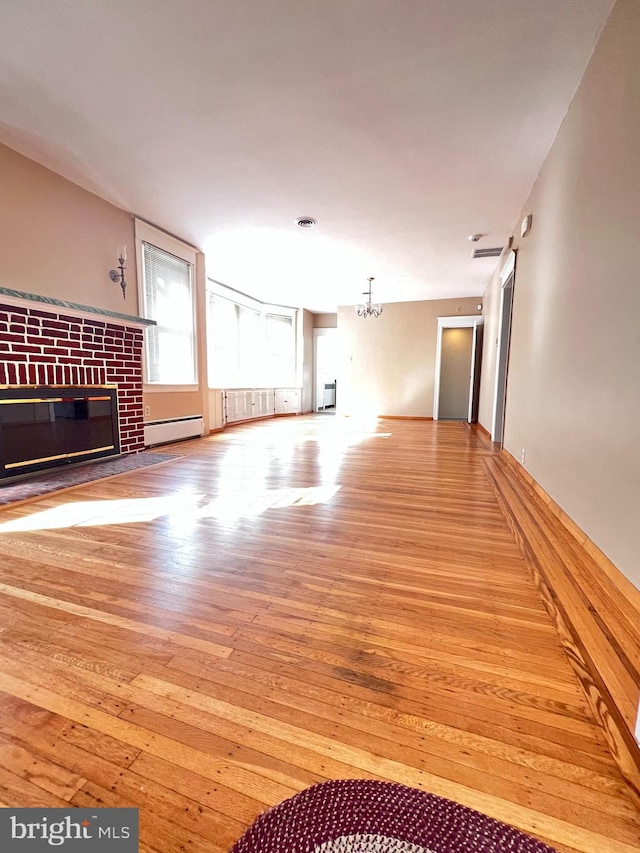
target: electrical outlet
<point>523,456</point>
<point>147,411</point>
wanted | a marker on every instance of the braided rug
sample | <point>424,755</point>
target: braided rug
<point>365,816</point>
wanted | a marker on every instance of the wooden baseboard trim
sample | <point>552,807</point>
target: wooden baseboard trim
<point>404,418</point>
<point>595,608</point>
<point>215,430</point>
<point>484,437</point>
<point>257,420</point>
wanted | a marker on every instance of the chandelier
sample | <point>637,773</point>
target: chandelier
<point>369,310</point>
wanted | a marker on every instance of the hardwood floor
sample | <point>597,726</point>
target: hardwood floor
<point>287,602</point>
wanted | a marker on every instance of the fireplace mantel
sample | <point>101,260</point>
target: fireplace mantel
<point>18,297</point>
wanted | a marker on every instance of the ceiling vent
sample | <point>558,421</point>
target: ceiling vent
<point>307,222</point>
<point>495,252</point>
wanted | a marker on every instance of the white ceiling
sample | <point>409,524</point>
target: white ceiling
<point>402,126</point>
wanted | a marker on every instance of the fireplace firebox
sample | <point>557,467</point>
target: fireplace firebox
<point>44,427</point>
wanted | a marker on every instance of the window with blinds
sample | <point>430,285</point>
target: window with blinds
<point>168,299</point>
<point>249,345</point>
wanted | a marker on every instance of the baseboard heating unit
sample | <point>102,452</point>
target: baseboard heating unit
<point>174,429</point>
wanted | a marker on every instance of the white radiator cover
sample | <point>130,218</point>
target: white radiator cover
<point>160,432</point>
<point>245,404</point>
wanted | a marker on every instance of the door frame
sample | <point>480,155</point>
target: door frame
<point>507,279</point>
<point>462,322</point>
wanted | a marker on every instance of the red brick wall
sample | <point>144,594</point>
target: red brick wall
<point>52,348</point>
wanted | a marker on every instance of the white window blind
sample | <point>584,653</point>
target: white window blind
<point>168,299</point>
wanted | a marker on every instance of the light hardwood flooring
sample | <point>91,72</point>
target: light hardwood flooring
<point>291,601</point>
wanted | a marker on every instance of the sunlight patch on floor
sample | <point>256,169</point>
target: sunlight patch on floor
<point>252,503</point>
<point>101,513</point>
<point>179,508</point>
<point>345,439</point>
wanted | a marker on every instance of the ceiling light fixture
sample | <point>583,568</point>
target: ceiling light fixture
<point>369,310</point>
<point>307,222</point>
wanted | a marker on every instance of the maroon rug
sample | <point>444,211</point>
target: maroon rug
<point>364,816</point>
<point>76,475</point>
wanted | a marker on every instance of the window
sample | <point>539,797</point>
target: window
<point>280,344</point>
<point>250,345</point>
<point>167,298</point>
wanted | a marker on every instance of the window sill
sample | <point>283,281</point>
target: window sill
<point>158,388</point>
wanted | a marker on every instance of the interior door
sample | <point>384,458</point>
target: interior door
<point>458,348</point>
<point>455,367</point>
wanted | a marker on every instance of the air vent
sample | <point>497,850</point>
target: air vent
<point>307,222</point>
<point>495,252</point>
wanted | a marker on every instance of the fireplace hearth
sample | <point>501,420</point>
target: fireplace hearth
<point>45,427</point>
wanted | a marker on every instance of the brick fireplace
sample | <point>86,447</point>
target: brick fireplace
<point>60,346</point>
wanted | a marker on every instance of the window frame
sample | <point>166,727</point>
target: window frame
<point>146,233</point>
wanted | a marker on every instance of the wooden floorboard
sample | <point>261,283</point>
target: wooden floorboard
<point>288,602</point>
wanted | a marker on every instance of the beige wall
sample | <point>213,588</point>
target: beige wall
<point>201,342</point>
<point>307,361</point>
<point>573,396</point>
<point>325,321</point>
<point>387,364</point>
<point>162,405</point>
<point>59,240</point>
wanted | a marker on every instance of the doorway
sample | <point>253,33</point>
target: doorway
<point>507,277</point>
<point>457,370</point>
<point>325,362</point>
<point>454,374</point>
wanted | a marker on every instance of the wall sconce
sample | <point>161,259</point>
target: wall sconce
<point>118,277</point>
